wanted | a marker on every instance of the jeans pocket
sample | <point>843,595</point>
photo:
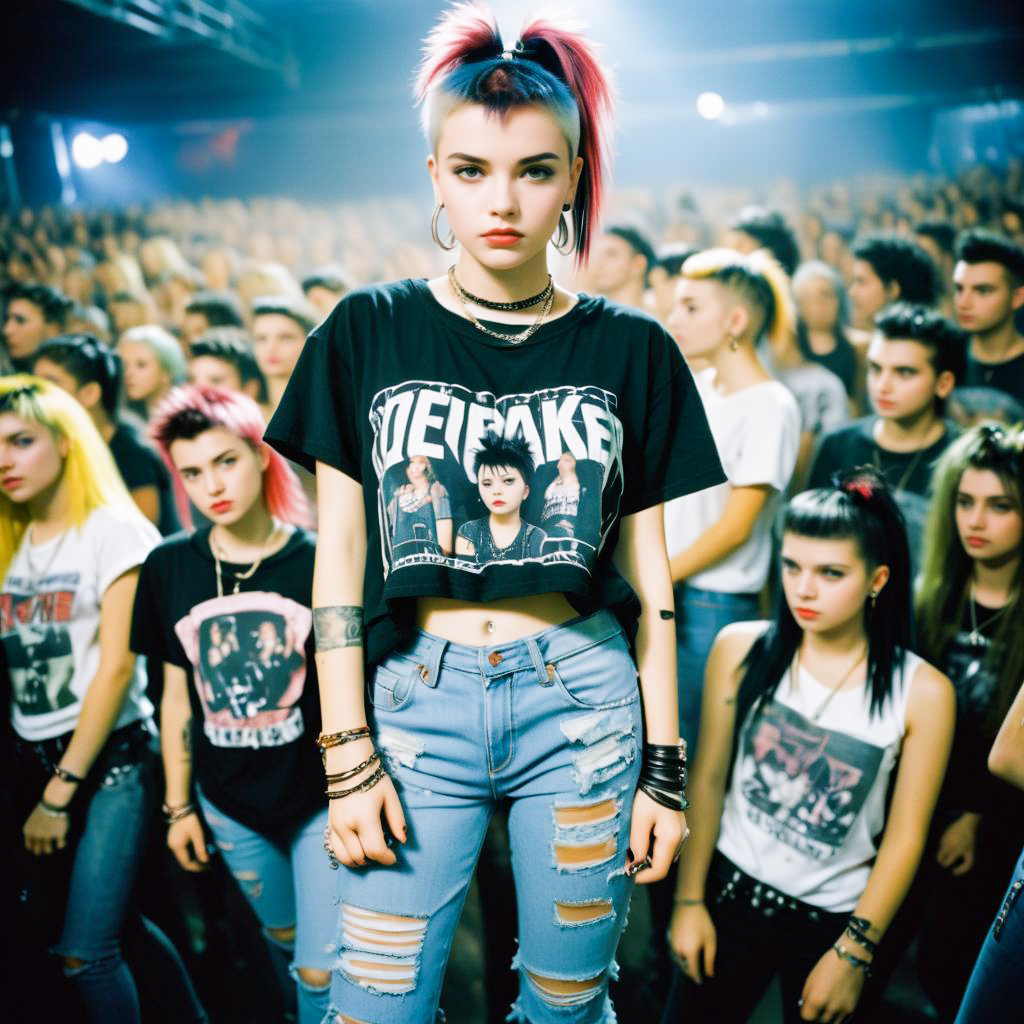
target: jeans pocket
<point>393,683</point>
<point>601,676</point>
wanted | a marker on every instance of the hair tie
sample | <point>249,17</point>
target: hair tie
<point>858,486</point>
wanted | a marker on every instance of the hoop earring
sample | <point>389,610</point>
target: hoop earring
<point>562,241</point>
<point>434,234</point>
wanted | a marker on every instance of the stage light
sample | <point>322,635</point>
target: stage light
<point>710,105</point>
<point>86,151</point>
<point>115,148</point>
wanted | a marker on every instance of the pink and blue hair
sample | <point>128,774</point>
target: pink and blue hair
<point>465,61</point>
<point>188,411</point>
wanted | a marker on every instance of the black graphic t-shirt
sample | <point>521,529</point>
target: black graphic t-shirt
<point>972,661</point>
<point>398,392</point>
<point>909,474</point>
<point>140,466</point>
<point>248,658</point>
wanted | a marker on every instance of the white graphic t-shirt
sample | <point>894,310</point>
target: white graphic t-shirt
<point>50,619</point>
<point>807,800</point>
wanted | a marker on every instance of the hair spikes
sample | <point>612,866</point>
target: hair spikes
<point>594,93</point>
<point>214,407</point>
<point>465,31</point>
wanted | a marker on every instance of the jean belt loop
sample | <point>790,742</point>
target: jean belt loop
<point>433,661</point>
<point>538,661</point>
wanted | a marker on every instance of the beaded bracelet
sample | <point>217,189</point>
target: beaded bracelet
<point>52,810</point>
<point>855,961</point>
<point>367,783</point>
<point>65,776</point>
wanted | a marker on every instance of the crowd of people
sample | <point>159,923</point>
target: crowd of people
<point>845,577</point>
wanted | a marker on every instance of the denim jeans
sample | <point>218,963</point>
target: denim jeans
<point>288,883</point>
<point>700,614</point>
<point>993,993</point>
<point>113,812</point>
<point>550,723</point>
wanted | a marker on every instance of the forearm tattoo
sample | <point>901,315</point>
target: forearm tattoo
<point>186,737</point>
<point>340,625</point>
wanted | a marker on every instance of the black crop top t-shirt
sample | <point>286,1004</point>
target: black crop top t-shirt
<point>397,392</point>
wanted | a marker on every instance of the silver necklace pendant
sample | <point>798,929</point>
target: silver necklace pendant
<point>975,639</point>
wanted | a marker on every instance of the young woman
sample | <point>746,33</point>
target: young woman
<point>84,367</point>
<point>821,325</point>
<point>719,540</point>
<point>419,511</point>
<point>970,609</point>
<point>71,543</point>
<point>226,609</point>
<point>805,720</point>
<point>153,363</point>
<point>566,504</point>
<point>279,329</point>
<point>505,679</point>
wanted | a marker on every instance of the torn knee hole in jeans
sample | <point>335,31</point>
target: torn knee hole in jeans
<point>565,991</point>
<point>380,952</point>
<point>571,915</point>
<point>579,856</point>
<point>607,746</point>
<point>568,815</point>
<point>585,834</point>
<point>398,748</point>
<point>251,882</point>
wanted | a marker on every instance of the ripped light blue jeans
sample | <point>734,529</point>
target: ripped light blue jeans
<point>550,723</point>
<point>289,884</point>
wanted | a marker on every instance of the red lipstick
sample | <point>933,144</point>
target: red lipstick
<point>807,613</point>
<point>502,238</point>
<point>219,507</point>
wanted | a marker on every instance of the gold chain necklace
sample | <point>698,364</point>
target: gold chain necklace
<point>515,339</point>
<point>239,576</point>
<point>795,668</point>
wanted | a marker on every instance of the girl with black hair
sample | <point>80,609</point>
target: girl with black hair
<point>503,467</point>
<point>86,368</point>
<point>505,676</point>
<point>970,608</point>
<point>796,867</point>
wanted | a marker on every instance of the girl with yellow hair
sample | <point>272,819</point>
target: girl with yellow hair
<point>719,539</point>
<point>71,543</point>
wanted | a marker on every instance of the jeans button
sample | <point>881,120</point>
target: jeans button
<point>495,658</point>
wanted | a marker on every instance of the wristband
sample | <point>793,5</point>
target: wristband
<point>663,774</point>
<point>173,814</point>
<point>52,809</point>
<point>65,776</point>
<point>855,961</point>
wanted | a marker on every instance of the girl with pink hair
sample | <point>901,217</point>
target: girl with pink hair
<point>502,674</point>
<point>226,610</point>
